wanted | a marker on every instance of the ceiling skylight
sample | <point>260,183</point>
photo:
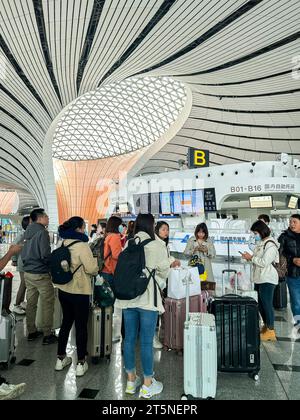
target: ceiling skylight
<point>118,119</point>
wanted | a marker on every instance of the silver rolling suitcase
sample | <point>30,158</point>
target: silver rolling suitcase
<point>7,334</point>
<point>100,333</point>
<point>200,355</point>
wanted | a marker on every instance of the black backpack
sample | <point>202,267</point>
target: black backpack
<point>130,281</point>
<point>97,248</point>
<point>60,264</point>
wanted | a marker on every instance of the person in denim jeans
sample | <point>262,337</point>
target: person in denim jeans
<point>265,276</point>
<point>141,314</point>
<point>290,247</point>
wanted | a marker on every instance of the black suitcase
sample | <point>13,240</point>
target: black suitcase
<point>280,296</point>
<point>238,334</point>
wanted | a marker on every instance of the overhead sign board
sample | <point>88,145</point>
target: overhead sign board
<point>198,158</point>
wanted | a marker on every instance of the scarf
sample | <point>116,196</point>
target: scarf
<point>72,234</point>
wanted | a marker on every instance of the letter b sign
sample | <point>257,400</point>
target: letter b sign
<point>198,158</point>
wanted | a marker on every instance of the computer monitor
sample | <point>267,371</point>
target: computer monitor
<point>261,202</point>
<point>165,202</point>
<point>293,202</point>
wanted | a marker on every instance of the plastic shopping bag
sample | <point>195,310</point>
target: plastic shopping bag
<point>177,282</point>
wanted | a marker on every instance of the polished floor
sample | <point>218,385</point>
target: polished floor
<point>279,376</point>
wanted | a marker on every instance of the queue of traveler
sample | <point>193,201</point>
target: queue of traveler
<point>142,313</point>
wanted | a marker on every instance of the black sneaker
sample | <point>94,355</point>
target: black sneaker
<point>50,339</point>
<point>34,335</point>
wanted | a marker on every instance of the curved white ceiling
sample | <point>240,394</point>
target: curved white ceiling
<point>236,55</point>
<point>119,118</point>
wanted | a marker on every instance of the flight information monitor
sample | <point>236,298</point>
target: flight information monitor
<point>261,202</point>
<point>141,203</point>
<point>293,202</point>
<point>165,203</point>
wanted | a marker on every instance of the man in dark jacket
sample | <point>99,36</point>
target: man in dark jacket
<point>36,258</point>
<point>290,247</point>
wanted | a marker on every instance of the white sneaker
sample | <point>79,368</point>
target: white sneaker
<point>81,368</point>
<point>156,343</point>
<point>149,391</point>
<point>19,310</point>
<point>132,386</point>
<point>9,392</point>
<point>62,363</point>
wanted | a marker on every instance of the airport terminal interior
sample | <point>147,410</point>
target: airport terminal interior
<point>184,109</point>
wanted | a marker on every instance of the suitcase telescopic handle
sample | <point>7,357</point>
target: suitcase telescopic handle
<point>1,296</point>
<point>235,280</point>
<point>187,300</point>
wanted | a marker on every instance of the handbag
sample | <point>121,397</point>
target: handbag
<point>282,266</point>
<point>103,294</point>
<point>195,261</point>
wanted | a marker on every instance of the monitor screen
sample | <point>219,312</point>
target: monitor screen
<point>165,203</point>
<point>187,204</point>
<point>154,200</point>
<point>293,202</point>
<point>261,202</point>
<point>198,201</point>
<point>176,202</point>
<point>141,203</point>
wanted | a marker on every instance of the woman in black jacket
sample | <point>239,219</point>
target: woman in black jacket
<point>290,247</point>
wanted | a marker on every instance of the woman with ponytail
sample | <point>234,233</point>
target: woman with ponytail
<point>75,295</point>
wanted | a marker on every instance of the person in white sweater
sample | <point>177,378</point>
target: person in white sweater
<point>141,314</point>
<point>265,276</point>
<point>162,232</point>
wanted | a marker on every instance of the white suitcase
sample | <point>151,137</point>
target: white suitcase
<point>200,355</point>
<point>7,334</point>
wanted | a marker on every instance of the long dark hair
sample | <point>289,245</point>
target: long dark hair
<point>113,224</point>
<point>74,223</point>
<point>157,228</point>
<point>130,229</point>
<point>145,223</point>
<point>261,228</point>
<point>25,222</point>
<point>203,228</point>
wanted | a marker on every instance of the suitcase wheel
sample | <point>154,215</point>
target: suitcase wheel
<point>190,397</point>
<point>254,376</point>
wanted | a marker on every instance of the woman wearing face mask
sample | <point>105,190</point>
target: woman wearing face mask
<point>123,233</point>
<point>265,275</point>
<point>202,246</point>
<point>112,248</point>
